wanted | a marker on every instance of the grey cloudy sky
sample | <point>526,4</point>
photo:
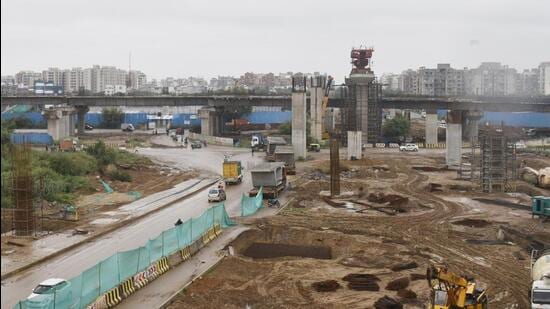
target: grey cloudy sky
<point>207,38</point>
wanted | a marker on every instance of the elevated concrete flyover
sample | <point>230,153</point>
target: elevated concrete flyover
<point>492,104</point>
<point>483,104</point>
<point>168,100</point>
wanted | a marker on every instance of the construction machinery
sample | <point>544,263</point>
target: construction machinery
<point>451,291</point>
<point>325,103</point>
<point>540,274</point>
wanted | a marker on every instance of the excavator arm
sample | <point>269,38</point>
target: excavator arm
<point>457,288</point>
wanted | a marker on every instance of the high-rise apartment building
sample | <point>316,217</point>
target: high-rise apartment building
<point>53,75</point>
<point>73,80</point>
<point>27,78</point>
<point>544,78</point>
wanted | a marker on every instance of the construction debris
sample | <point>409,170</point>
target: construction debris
<point>472,222</point>
<point>326,286</point>
<point>408,294</point>
<point>362,282</point>
<point>404,266</point>
<point>415,277</point>
<point>387,302</point>
<point>398,284</point>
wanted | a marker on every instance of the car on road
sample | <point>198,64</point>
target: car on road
<point>60,288</point>
<point>216,195</point>
<point>88,127</point>
<point>408,147</point>
<point>196,144</point>
<point>127,127</point>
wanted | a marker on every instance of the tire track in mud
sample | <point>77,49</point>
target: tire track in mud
<point>498,272</point>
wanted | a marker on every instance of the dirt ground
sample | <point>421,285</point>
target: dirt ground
<point>401,209</point>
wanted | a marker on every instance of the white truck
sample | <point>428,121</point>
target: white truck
<point>540,274</point>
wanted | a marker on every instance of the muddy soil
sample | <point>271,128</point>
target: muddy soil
<point>371,244</point>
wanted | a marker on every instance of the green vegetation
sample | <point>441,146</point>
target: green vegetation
<point>396,127</point>
<point>59,176</point>
<point>112,117</point>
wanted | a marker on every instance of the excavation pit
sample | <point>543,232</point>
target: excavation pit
<point>270,250</point>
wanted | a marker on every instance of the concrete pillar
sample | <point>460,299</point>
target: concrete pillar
<point>54,127</point>
<point>354,145</point>
<point>316,107</point>
<point>207,121</point>
<point>392,113</point>
<point>71,124</point>
<point>471,123</point>
<point>299,125</point>
<point>81,114</point>
<point>432,125</point>
<point>453,155</point>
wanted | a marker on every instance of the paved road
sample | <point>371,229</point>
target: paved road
<point>73,262</point>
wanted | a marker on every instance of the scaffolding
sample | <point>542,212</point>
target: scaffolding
<point>23,219</point>
<point>496,160</point>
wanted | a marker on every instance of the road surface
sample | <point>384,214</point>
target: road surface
<point>73,262</point>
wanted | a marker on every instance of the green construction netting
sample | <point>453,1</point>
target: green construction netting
<point>250,205</point>
<point>109,273</point>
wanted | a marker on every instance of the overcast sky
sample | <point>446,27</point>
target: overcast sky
<point>230,37</point>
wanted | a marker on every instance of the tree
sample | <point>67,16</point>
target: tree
<point>112,117</point>
<point>396,127</point>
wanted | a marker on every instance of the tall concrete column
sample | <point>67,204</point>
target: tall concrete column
<point>471,120</point>
<point>81,115</point>
<point>432,125</point>
<point>453,155</point>
<point>54,128</point>
<point>71,124</point>
<point>354,145</point>
<point>316,107</point>
<point>207,121</point>
<point>299,125</point>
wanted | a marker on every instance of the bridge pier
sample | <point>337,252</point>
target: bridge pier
<point>453,155</point>
<point>316,107</point>
<point>209,121</point>
<point>471,125</point>
<point>299,138</point>
<point>432,126</point>
<point>60,122</point>
<point>81,111</point>
<point>354,145</point>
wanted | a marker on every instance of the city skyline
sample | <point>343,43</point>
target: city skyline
<point>198,39</point>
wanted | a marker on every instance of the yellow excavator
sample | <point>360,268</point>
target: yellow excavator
<point>451,291</point>
<point>325,102</point>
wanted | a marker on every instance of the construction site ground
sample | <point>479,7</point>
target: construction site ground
<point>397,214</point>
<point>101,210</point>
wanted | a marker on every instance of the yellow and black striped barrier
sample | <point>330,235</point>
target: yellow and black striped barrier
<point>435,146</point>
<point>113,297</point>
<point>162,265</point>
<point>185,253</point>
<point>128,287</point>
<point>205,238</point>
<point>217,229</point>
<point>152,272</point>
<point>99,303</point>
<point>140,280</point>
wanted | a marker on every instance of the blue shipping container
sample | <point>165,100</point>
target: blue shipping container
<point>180,120</point>
<point>269,117</point>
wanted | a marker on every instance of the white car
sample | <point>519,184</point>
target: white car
<point>216,195</point>
<point>520,146</point>
<point>49,287</point>
<point>408,147</point>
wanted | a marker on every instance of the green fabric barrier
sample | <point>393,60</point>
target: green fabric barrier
<point>128,263</point>
<point>251,205</point>
<point>90,286</point>
<point>169,241</point>
<point>184,234</point>
<point>155,248</point>
<point>76,287</point>
<point>108,274</point>
<point>104,276</point>
<point>144,258</point>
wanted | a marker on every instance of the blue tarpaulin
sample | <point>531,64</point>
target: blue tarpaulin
<point>269,117</point>
<point>32,138</point>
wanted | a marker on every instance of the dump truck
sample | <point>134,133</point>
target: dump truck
<point>540,275</point>
<point>272,143</point>
<point>285,154</point>
<point>232,172</point>
<point>271,176</point>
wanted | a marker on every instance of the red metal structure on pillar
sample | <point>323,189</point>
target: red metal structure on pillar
<point>361,60</point>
